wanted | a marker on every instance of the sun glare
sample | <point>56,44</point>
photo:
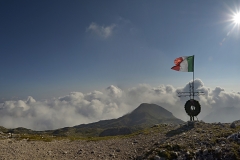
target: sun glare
<point>236,18</point>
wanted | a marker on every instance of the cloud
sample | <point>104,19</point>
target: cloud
<point>102,31</point>
<point>224,115</point>
<point>78,108</point>
<point>114,91</point>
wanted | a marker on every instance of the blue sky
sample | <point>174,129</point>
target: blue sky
<point>52,47</point>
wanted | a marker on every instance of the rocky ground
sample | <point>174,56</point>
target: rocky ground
<point>196,140</point>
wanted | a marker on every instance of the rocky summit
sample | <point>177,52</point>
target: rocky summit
<point>190,140</point>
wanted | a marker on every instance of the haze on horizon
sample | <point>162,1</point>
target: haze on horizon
<point>92,60</point>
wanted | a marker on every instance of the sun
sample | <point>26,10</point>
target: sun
<point>236,18</point>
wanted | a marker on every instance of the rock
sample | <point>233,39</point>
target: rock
<point>234,136</point>
<point>139,149</point>
<point>139,158</point>
<point>156,143</point>
<point>155,125</point>
<point>157,158</point>
<point>237,123</point>
<point>233,125</point>
<point>210,157</point>
<point>190,123</point>
<point>111,154</point>
<point>118,150</point>
<point>181,158</point>
<point>175,154</point>
<point>80,151</point>
<point>220,124</point>
<point>197,152</point>
<point>135,141</point>
<point>217,150</point>
<point>205,152</point>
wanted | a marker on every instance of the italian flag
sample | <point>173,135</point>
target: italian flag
<point>184,64</point>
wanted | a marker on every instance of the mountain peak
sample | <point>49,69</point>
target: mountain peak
<point>154,110</point>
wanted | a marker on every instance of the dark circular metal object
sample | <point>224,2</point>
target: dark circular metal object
<point>192,107</point>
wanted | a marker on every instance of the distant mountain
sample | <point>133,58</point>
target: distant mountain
<point>224,115</point>
<point>143,116</point>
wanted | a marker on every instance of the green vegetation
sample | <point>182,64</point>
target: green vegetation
<point>35,137</point>
<point>29,135</point>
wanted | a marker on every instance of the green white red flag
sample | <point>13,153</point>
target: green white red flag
<point>184,64</point>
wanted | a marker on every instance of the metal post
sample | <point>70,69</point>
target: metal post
<point>193,79</point>
<point>192,119</point>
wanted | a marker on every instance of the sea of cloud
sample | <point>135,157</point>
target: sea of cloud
<point>79,108</point>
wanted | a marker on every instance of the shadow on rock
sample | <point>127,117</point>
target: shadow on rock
<point>183,128</point>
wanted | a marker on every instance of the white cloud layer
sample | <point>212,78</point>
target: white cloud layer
<point>102,31</point>
<point>78,108</point>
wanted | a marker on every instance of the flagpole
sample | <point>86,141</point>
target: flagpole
<point>193,79</point>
